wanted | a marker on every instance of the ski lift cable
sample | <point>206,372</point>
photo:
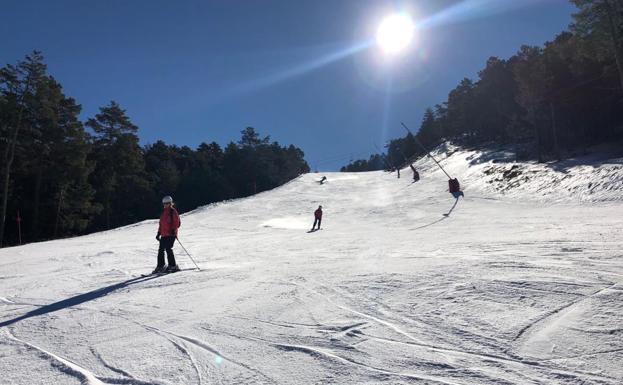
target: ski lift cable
<point>383,156</point>
<point>425,150</point>
<point>388,157</point>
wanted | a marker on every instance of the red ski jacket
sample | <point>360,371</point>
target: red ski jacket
<point>318,214</point>
<point>169,222</point>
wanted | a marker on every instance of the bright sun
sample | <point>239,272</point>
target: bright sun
<point>395,33</point>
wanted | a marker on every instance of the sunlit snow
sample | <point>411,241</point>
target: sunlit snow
<point>518,283</point>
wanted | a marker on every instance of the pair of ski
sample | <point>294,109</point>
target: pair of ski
<point>167,273</point>
<point>160,273</point>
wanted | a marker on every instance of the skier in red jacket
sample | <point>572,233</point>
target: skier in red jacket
<point>167,233</point>
<point>317,218</point>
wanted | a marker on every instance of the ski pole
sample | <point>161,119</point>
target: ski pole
<point>424,148</point>
<point>187,253</point>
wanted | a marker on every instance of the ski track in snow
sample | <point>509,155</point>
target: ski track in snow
<point>549,319</point>
<point>216,353</point>
<point>405,284</point>
<point>332,356</point>
<point>204,346</point>
<point>66,366</point>
<point>114,369</point>
<point>183,349</point>
<point>516,360</point>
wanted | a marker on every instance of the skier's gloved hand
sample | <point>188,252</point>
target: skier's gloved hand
<point>158,237</point>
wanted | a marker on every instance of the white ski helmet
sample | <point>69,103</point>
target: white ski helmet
<point>167,199</point>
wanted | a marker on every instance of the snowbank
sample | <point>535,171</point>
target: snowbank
<point>591,178</point>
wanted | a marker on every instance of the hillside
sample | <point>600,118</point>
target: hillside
<point>521,282</point>
<point>594,177</point>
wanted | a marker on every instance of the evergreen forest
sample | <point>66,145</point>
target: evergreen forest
<point>549,102</point>
<point>61,176</point>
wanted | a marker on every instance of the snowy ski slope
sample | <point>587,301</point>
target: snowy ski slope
<point>512,286</point>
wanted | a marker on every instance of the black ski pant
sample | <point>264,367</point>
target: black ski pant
<point>166,243</point>
<point>317,220</point>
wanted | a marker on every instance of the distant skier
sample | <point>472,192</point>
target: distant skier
<point>416,175</point>
<point>455,188</point>
<point>321,181</point>
<point>167,233</point>
<point>317,218</point>
<point>397,171</point>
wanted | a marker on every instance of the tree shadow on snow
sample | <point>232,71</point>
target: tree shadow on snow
<point>76,300</point>
<point>594,160</point>
<point>444,216</point>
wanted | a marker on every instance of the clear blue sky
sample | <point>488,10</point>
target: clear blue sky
<point>200,71</point>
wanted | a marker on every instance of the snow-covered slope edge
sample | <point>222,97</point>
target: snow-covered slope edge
<point>591,178</point>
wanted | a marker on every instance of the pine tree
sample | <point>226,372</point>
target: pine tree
<point>119,177</point>
<point>56,157</point>
<point>495,100</point>
<point>460,112</point>
<point>205,181</point>
<point>428,134</point>
<point>531,81</point>
<point>17,87</point>
<point>601,23</point>
<point>160,165</point>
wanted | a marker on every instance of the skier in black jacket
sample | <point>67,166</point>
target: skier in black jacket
<point>416,175</point>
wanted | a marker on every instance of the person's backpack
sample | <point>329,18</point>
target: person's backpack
<point>453,185</point>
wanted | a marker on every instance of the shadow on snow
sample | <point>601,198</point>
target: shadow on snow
<point>76,300</point>
<point>445,215</point>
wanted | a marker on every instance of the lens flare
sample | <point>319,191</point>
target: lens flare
<point>301,69</point>
<point>395,33</point>
<point>467,10</point>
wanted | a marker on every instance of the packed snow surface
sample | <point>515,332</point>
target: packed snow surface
<point>520,282</point>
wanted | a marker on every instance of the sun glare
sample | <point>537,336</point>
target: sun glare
<point>395,33</point>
